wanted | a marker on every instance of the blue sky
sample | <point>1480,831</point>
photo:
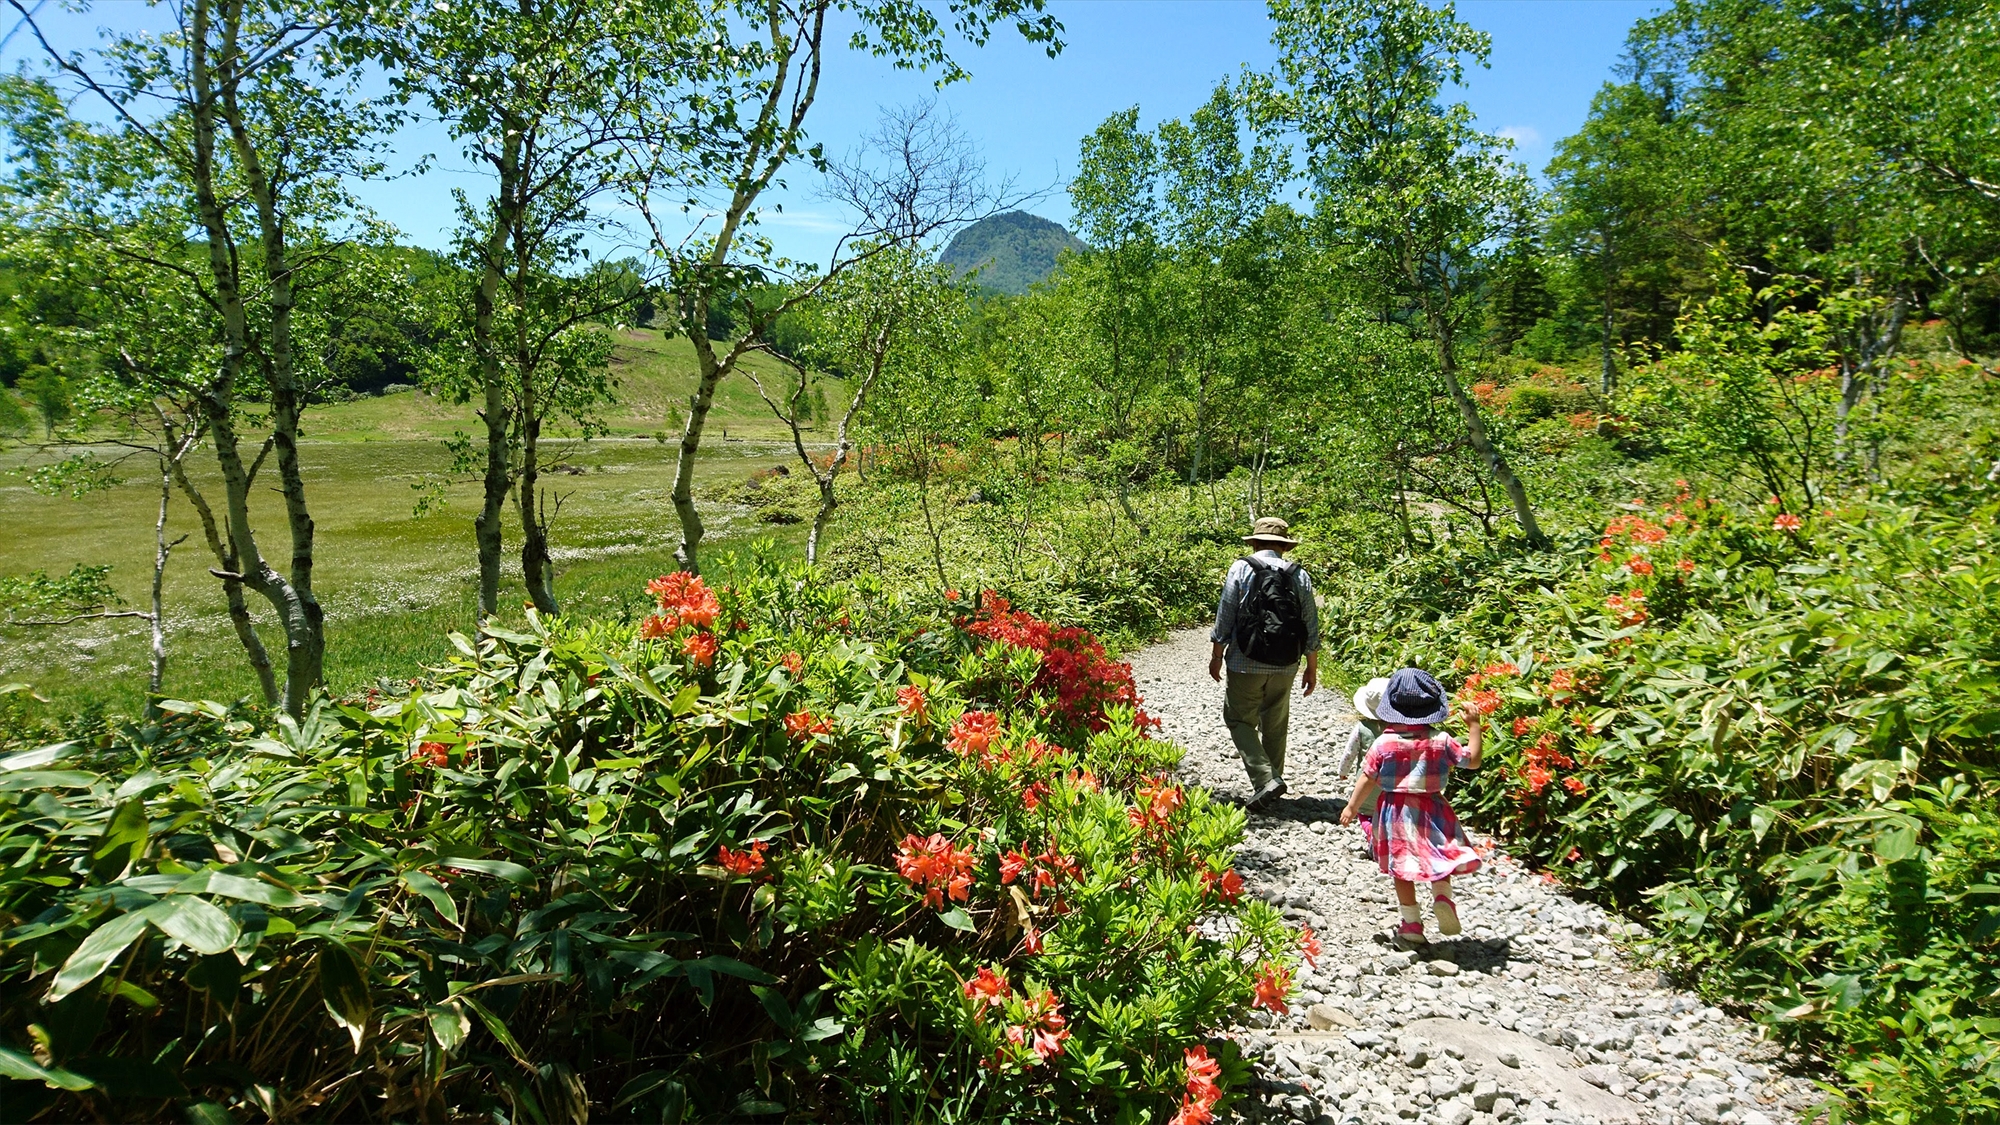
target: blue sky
<point>1027,112</point>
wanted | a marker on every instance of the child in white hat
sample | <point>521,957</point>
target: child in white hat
<point>1367,728</point>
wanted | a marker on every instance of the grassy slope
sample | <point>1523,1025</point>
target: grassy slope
<point>392,583</point>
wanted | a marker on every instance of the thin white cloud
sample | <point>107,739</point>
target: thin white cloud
<point>1521,135</point>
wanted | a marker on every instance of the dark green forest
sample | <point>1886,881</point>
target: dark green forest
<point>1678,460</point>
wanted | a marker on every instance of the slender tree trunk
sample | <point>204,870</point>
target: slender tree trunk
<point>1861,372</point>
<point>298,615</point>
<point>304,620</point>
<point>498,481</point>
<point>536,569</point>
<point>1610,378</point>
<point>1475,427</point>
<point>232,587</point>
<point>156,675</point>
<point>777,131</point>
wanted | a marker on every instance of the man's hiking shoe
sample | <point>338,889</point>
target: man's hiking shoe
<point>1447,915</point>
<point>1410,935</point>
<point>1266,793</point>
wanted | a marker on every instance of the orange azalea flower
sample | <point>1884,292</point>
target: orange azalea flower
<point>1686,566</point>
<point>803,726</point>
<point>1202,1071</point>
<point>987,989</point>
<point>1630,608</point>
<point>1637,565</point>
<point>1786,521</point>
<point>794,664</point>
<point>1272,985</point>
<point>1033,794</point>
<point>1522,726</point>
<point>913,702</point>
<point>1575,785</point>
<point>1480,702</point>
<point>937,866</point>
<point>1192,1112</point>
<point>685,599</point>
<point>745,862</point>
<point>434,754</point>
<point>1538,778</point>
<point>655,627</point>
<point>700,646</point>
<point>1228,886</point>
<point>1037,751</point>
<point>1309,945</point>
<point>1084,780</point>
<point>1562,681</point>
<point>1031,941</point>
<point>974,734</point>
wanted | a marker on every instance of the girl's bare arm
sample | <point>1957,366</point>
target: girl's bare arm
<point>1473,750</point>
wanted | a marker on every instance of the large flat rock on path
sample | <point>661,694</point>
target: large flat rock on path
<point>1541,1071</point>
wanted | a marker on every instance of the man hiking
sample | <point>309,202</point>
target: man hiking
<point>1265,622</point>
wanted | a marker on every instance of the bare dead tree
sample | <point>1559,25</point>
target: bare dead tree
<point>916,176</point>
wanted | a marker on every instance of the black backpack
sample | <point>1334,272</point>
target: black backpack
<point>1270,624</point>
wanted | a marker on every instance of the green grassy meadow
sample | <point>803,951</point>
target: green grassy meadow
<point>393,582</point>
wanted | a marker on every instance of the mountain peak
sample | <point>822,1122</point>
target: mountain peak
<point>1012,250</point>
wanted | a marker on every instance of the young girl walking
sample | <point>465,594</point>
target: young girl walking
<point>1416,835</point>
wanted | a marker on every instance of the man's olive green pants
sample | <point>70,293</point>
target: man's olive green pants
<point>1257,706</point>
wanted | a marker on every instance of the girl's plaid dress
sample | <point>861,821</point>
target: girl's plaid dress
<point>1416,834</point>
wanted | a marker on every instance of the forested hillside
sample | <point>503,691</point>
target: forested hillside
<point>1011,251</point>
<point>1677,460</point>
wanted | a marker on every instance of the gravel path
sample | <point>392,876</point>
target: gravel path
<point>1534,1014</point>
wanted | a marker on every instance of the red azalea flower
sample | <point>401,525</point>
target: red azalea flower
<point>1272,985</point>
<point>1011,866</point>
<point>1686,566</point>
<point>803,726</point>
<point>1033,794</point>
<point>1575,785</point>
<point>1309,946</point>
<point>701,647</point>
<point>1522,726</point>
<point>656,626</point>
<point>1031,942</point>
<point>434,754</point>
<point>1638,566</point>
<point>1084,780</point>
<point>794,664</point>
<point>1786,521</point>
<point>743,863</point>
<point>987,989</point>
<point>913,702</point>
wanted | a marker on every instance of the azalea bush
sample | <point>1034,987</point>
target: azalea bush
<point>789,849</point>
<point>1772,733</point>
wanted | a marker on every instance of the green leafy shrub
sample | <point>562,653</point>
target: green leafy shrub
<point>1773,733</point>
<point>741,861</point>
